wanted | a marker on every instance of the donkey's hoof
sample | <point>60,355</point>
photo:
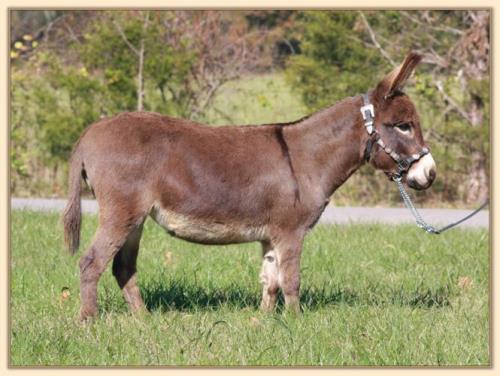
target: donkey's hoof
<point>268,304</point>
<point>293,309</point>
<point>86,316</point>
<point>266,309</point>
<point>140,312</point>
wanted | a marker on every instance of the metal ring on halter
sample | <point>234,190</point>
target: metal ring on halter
<point>397,178</point>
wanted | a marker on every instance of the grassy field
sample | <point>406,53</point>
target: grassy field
<point>371,295</point>
<point>256,99</point>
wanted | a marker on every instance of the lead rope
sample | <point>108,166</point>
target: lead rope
<point>420,221</point>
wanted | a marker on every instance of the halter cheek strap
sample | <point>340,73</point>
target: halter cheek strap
<point>403,164</point>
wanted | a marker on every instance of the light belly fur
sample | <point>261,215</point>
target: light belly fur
<point>203,231</point>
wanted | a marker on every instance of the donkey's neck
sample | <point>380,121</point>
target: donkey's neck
<point>327,147</point>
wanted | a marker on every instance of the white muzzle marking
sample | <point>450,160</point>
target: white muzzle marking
<point>420,170</point>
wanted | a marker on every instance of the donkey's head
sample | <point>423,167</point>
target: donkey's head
<point>398,127</point>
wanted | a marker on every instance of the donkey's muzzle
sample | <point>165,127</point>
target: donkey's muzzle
<point>422,173</point>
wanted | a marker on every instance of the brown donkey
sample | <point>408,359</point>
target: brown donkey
<point>234,184</point>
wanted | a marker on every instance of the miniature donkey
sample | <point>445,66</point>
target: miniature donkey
<point>233,184</point>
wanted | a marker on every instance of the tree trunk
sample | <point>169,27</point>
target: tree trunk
<point>477,185</point>
<point>140,74</point>
<point>140,79</point>
<point>477,182</point>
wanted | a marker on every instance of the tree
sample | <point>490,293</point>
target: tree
<point>455,45</point>
<point>94,64</point>
<point>333,62</point>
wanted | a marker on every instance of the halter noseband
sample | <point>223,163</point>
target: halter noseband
<point>403,164</point>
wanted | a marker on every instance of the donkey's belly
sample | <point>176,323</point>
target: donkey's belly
<point>204,231</point>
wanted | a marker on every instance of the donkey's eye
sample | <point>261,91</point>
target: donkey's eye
<point>403,128</point>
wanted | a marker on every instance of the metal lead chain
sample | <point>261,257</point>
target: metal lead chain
<point>406,199</point>
<point>420,221</point>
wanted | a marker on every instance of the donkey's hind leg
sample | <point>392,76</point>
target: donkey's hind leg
<point>124,270</point>
<point>108,240</point>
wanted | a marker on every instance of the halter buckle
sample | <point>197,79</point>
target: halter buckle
<point>368,111</point>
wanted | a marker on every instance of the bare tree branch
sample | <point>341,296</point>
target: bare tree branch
<point>448,29</point>
<point>374,40</point>
<point>71,33</point>
<point>224,115</point>
<point>451,101</point>
<point>124,37</point>
<point>432,57</point>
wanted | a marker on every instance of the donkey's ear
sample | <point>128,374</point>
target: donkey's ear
<point>396,80</point>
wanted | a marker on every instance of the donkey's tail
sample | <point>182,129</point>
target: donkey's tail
<point>72,215</point>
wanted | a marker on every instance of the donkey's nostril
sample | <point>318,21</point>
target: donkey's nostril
<point>432,175</point>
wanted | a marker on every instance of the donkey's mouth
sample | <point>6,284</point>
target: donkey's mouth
<point>416,186</point>
<point>413,185</point>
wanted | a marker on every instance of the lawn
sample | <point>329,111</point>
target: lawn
<point>256,99</point>
<point>371,295</point>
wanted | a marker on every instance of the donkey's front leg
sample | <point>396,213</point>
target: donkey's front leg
<point>269,278</point>
<point>281,269</point>
<point>288,253</point>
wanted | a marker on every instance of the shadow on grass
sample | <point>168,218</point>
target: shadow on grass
<point>180,296</point>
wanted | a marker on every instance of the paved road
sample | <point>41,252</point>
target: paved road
<point>330,215</point>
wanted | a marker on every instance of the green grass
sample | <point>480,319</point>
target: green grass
<point>371,295</point>
<point>256,99</point>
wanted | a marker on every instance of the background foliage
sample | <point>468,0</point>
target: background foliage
<point>70,68</point>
